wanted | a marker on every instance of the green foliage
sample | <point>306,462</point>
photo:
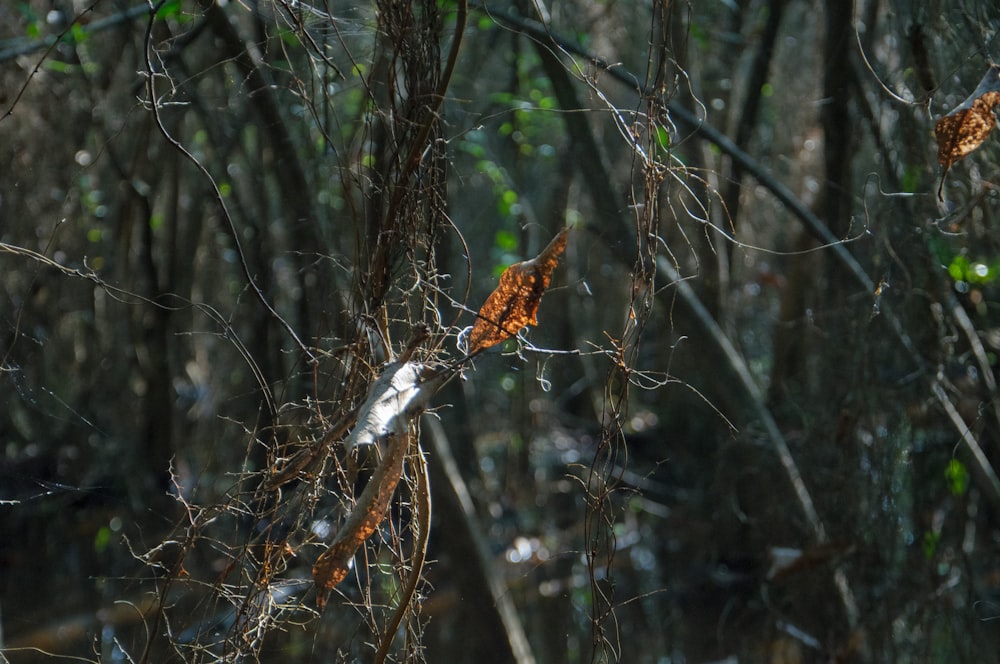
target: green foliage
<point>505,241</point>
<point>662,142</point>
<point>69,69</point>
<point>504,251</point>
<point>912,178</point>
<point>530,126</point>
<point>102,539</point>
<point>77,34</point>
<point>34,23</point>
<point>502,150</point>
<point>169,9</point>
<point>973,272</point>
<point>957,477</point>
<point>930,543</point>
<point>506,198</point>
<point>289,37</point>
<point>699,34</point>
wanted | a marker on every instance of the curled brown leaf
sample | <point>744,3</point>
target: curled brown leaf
<point>333,565</point>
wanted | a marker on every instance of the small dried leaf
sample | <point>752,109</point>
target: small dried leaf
<point>962,131</point>
<point>966,127</point>
<point>514,302</point>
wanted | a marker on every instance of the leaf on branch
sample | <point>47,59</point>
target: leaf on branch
<point>966,127</point>
<point>514,302</point>
<point>333,565</point>
<point>386,418</point>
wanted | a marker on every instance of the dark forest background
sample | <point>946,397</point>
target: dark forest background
<point>757,420</point>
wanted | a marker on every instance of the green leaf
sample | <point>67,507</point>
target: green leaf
<point>663,138</point>
<point>33,29</point>
<point>78,34</point>
<point>663,135</point>
<point>931,540</point>
<point>59,66</point>
<point>699,34</point>
<point>168,9</point>
<point>957,476</point>
<point>911,179</point>
<point>477,151</point>
<point>102,539</point>
<point>958,268</point>
<point>507,201</point>
<point>289,37</point>
<point>973,272</point>
<point>505,241</point>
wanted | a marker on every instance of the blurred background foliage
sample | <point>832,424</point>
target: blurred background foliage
<point>727,439</point>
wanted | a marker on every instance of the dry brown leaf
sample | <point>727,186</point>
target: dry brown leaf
<point>333,565</point>
<point>966,127</point>
<point>963,130</point>
<point>514,302</point>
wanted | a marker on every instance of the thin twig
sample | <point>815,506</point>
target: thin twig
<point>333,564</point>
<point>700,128</point>
<point>422,505</point>
<point>50,43</point>
<point>468,525</point>
<point>759,406</point>
<point>219,198</point>
<point>47,42</point>
<point>988,476</point>
<point>418,145</point>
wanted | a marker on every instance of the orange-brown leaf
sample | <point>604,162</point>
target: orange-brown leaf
<point>333,565</point>
<point>966,127</point>
<point>514,303</point>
